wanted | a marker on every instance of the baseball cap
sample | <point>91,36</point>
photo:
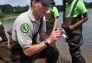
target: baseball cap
<point>47,2</point>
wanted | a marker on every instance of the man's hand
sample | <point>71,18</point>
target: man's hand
<point>55,35</point>
<point>71,27</point>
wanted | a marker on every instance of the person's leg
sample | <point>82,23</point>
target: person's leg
<point>21,59</point>
<point>1,58</point>
<point>14,58</point>
<point>50,53</point>
<point>17,56</point>
<point>74,48</point>
<point>52,56</point>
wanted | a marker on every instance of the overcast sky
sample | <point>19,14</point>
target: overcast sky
<point>26,2</point>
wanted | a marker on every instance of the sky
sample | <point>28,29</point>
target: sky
<point>27,2</point>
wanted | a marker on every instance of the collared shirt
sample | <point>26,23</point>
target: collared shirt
<point>79,9</point>
<point>24,27</point>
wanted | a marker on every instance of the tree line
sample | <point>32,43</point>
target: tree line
<point>7,8</point>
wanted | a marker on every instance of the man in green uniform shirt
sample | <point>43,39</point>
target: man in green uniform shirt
<point>73,28</point>
<point>54,15</point>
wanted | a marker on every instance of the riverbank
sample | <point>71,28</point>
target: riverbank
<point>8,17</point>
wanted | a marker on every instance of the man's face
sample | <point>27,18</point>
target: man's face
<point>40,9</point>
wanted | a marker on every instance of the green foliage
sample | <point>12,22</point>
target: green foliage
<point>19,9</point>
<point>1,15</point>
<point>7,8</point>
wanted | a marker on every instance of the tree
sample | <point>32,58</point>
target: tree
<point>7,8</point>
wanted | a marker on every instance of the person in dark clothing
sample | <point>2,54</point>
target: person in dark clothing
<point>3,37</point>
<point>73,27</point>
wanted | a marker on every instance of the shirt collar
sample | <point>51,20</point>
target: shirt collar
<point>30,15</point>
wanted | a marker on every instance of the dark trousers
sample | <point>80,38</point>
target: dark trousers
<point>50,53</point>
<point>3,35</point>
<point>74,42</point>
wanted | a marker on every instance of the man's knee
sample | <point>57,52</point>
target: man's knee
<point>52,55</point>
<point>54,52</point>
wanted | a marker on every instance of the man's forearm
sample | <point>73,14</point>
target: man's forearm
<point>43,36</point>
<point>55,23</point>
<point>81,21</point>
<point>34,49</point>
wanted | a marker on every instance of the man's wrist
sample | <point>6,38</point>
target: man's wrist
<point>47,43</point>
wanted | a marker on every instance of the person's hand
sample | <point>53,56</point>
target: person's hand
<point>71,27</point>
<point>55,35</point>
<point>65,26</point>
<point>1,39</point>
<point>63,33</point>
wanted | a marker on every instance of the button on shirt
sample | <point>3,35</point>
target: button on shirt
<point>25,26</point>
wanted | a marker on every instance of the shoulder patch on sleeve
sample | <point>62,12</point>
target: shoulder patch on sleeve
<point>24,28</point>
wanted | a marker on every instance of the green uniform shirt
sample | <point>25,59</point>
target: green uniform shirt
<point>54,11</point>
<point>79,9</point>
